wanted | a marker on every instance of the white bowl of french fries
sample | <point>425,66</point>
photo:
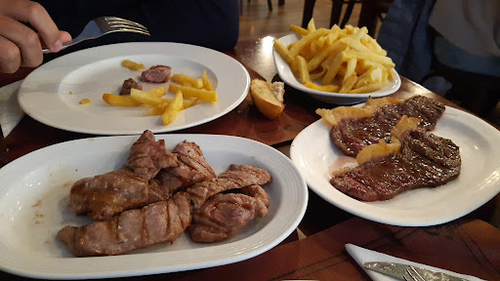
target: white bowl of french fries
<point>339,66</point>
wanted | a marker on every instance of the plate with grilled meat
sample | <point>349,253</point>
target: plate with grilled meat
<point>408,163</point>
<point>126,205</point>
<point>68,92</point>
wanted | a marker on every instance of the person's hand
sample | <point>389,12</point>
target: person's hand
<point>19,44</point>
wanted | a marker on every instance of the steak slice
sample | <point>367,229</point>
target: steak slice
<point>225,214</point>
<point>158,222</point>
<point>193,168</point>
<point>351,135</point>
<point>424,160</point>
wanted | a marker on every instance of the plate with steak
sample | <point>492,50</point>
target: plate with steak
<point>128,205</point>
<point>51,94</point>
<point>421,175</point>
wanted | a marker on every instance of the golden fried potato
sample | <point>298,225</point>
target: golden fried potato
<point>132,65</point>
<point>201,94</point>
<point>118,100</point>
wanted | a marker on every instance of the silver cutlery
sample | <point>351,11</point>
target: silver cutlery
<point>105,25</point>
<point>409,272</point>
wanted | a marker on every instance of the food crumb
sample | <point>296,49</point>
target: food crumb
<point>85,101</point>
<point>70,92</point>
<point>37,204</point>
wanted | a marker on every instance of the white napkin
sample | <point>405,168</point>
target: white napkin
<point>362,255</point>
<point>10,112</point>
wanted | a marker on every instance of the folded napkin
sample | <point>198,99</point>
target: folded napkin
<point>361,255</point>
<point>10,111</point>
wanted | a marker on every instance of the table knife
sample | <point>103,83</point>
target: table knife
<point>398,270</point>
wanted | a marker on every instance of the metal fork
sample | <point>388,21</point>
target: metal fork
<point>105,25</point>
<point>413,275</point>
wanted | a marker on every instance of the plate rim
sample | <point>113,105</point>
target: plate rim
<point>374,216</point>
<point>131,49</point>
<point>257,248</point>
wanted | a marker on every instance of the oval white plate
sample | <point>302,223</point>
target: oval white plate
<point>289,78</point>
<point>34,194</point>
<point>316,157</point>
<point>51,94</point>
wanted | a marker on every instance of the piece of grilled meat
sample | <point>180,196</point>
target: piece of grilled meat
<point>158,222</point>
<point>353,134</point>
<point>424,160</point>
<point>225,214</point>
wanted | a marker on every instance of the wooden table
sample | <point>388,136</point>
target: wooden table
<point>316,250</point>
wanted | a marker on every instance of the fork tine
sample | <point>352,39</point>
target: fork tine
<point>414,274</point>
<point>118,26</point>
<point>144,32</point>
<point>117,20</point>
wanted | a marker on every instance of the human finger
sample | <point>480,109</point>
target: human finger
<point>36,15</point>
<point>25,38</point>
<point>10,60</point>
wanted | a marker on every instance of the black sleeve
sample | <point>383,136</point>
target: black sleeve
<point>208,23</point>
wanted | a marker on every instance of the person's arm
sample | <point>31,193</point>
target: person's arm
<point>20,45</point>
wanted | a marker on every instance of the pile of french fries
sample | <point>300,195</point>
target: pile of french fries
<point>337,60</point>
<point>189,91</point>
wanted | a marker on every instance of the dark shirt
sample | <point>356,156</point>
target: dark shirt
<point>208,23</point>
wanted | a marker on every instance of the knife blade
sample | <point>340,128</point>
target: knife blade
<point>398,270</point>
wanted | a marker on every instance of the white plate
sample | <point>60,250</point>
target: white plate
<point>316,157</point>
<point>34,194</point>
<point>45,93</point>
<point>289,78</point>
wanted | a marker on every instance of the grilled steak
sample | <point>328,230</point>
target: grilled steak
<point>128,85</point>
<point>225,214</point>
<point>424,160</point>
<point>353,134</point>
<point>193,168</point>
<point>148,156</point>
<point>159,222</point>
<point>156,74</point>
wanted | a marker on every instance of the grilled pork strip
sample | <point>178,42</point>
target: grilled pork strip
<point>424,160</point>
<point>104,196</point>
<point>193,168</point>
<point>353,134</point>
<point>158,222</point>
<point>148,156</point>
<point>225,214</point>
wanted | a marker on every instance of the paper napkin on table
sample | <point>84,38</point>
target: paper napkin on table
<point>10,111</point>
<point>362,255</point>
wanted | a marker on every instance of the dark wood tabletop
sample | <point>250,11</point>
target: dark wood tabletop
<point>316,249</point>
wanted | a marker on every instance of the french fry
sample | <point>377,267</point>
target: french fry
<point>283,51</point>
<point>187,80</point>
<point>311,26</point>
<point>157,92</point>
<point>347,85</point>
<point>206,82</point>
<point>332,70</point>
<point>299,65</point>
<point>323,88</point>
<point>132,65</point>
<point>386,61</point>
<point>368,88</point>
<point>299,30</point>
<point>306,41</point>
<point>350,69</point>
<point>173,108</point>
<point>118,100</point>
<point>145,98</point>
<point>201,94</point>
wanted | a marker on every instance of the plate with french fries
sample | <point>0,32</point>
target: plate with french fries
<point>80,91</point>
<point>339,66</point>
